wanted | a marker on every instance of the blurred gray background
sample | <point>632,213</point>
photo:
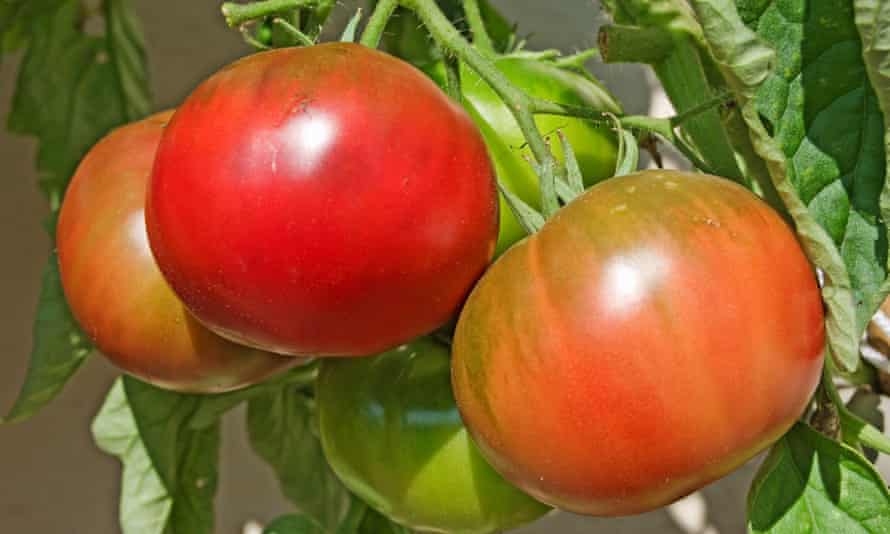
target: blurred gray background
<point>52,478</point>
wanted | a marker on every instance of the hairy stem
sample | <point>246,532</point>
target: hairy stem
<point>709,104</point>
<point>377,23</point>
<point>517,101</point>
<point>293,32</point>
<point>477,27</point>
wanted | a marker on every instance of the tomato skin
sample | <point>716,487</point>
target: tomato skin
<point>660,330</point>
<point>115,289</point>
<point>595,146</point>
<point>392,433</point>
<point>327,200</point>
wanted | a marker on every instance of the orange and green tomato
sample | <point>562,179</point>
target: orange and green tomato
<point>659,331</point>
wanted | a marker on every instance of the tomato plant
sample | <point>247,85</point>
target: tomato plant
<point>595,145</point>
<point>415,461</point>
<point>115,289</point>
<point>328,200</point>
<point>648,336</point>
<point>618,332</point>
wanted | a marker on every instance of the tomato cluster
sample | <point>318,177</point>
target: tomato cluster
<point>333,202</point>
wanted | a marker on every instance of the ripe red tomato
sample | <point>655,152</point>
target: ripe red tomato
<point>659,331</point>
<point>115,289</point>
<point>328,200</point>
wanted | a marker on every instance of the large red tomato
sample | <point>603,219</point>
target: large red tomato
<point>115,289</point>
<point>656,333</point>
<point>328,200</point>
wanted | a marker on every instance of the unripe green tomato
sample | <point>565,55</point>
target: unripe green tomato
<point>392,433</point>
<point>594,145</point>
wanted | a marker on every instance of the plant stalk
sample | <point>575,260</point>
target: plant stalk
<point>237,14</point>
<point>517,101</point>
<point>477,27</point>
<point>377,23</point>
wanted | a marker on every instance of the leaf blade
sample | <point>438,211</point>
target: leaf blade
<point>59,349</point>
<point>748,63</point>
<point>280,427</point>
<point>811,484</point>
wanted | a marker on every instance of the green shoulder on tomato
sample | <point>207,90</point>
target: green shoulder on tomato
<point>595,145</point>
<point>392,433</point>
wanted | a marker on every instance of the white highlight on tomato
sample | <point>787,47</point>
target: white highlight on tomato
<point>136,233</point>
<point>629,279</point>
<point>306,139</point>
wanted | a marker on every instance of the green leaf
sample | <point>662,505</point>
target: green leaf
<point>574,178</point>
<point>529,218</point>
<point>353,523</point>
<point>811,484</point>
<point>16,17</point>
<point>628,152</point>
<point>59,348</point>
<point>280,425</point>
<point>872,20</point>
<point>348,35</point>
<point>126,47</point>
<point>186,459</point>
<point>169,470</point>
<point>826,118</point>
<point>145,503</point>
<point>212,407</point>
<point>752,67</point>
<point>66,95</point>
<point>376,523</point>
<point>71,89</point>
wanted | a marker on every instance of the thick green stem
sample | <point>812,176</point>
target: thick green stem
<point>518,102</point>
<point>377,23</point>
<point>632,44</point>
<point>238,14</point>
<point>477,27</point>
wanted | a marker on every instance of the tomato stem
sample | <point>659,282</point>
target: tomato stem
<point>452,76</point>
<point>722,98</point>
<point>293,32</point>
<point>632,44</point>
<point>477,27</point>
<point>519,103</point>
<point>249,38</point>
<point>377,23</point>
<point>854,429</point>
<point>238,14</point>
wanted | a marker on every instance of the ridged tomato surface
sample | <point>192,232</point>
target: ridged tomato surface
<point>327,200</point>
<point>659,331</point>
